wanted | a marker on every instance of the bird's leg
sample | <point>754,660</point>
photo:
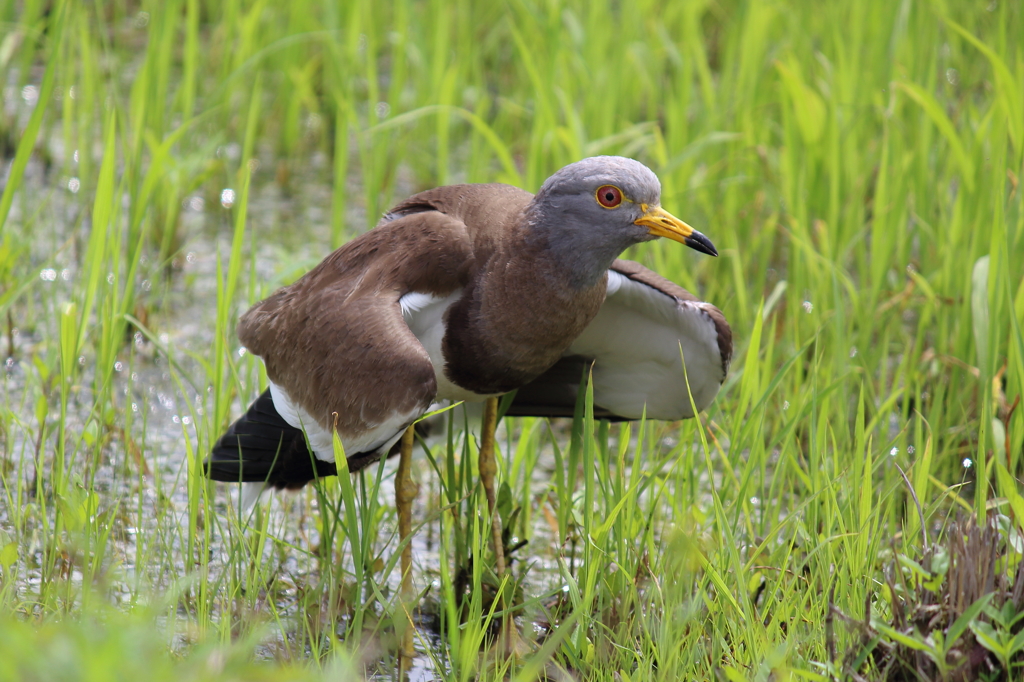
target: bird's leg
<point>488,468</point>
<point>405,493</point>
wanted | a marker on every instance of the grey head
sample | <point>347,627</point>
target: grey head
<point>590,211</point>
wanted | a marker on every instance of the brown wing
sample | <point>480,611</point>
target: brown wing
<point>335,340</point>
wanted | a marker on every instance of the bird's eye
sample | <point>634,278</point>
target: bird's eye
<point>609,196</point>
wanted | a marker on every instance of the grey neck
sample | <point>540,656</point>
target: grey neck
<point>577,251</point>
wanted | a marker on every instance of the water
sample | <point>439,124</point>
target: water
<point>143,469</point>
<point>161,390</point>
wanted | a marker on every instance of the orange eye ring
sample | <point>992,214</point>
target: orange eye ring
<point>609,196</point>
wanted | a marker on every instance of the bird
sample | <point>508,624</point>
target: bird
<point>466,293</point>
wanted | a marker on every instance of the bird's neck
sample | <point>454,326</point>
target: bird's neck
<point>579,262</point>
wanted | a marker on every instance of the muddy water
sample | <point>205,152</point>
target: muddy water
<point>160,400</point>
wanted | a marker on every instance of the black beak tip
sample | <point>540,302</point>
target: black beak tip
<point>699,242</point>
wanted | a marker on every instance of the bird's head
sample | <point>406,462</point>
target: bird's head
<point>604,204</point>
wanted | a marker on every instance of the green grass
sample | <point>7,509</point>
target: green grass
<point>858,165</point>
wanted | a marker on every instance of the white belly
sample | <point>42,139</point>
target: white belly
<point>424,313</point>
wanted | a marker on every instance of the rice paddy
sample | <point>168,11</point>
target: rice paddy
<point>849,507</point>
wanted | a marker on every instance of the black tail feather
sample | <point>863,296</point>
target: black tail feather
<point>261,447</point>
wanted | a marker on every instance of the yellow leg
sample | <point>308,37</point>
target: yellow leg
<point>509,640</point>
<point>406,490</point>
<point>488,468</point>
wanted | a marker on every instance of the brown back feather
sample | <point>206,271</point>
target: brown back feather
<point>336,341</point>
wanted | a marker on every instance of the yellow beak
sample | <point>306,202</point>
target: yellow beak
<point>661,223</point>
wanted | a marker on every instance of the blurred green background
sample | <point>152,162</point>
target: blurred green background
<point>166,164</point>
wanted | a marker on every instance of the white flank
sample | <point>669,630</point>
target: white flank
<point>379,437</point>
<point>414,301</point>
<point>424,313</point>
<point>320,439</point>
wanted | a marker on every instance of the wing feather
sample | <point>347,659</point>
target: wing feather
<point>335,341</point>
<point>636,344</point>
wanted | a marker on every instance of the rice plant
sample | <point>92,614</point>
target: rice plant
<point>858,164</point>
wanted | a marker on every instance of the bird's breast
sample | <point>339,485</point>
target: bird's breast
<point>485,341</point>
